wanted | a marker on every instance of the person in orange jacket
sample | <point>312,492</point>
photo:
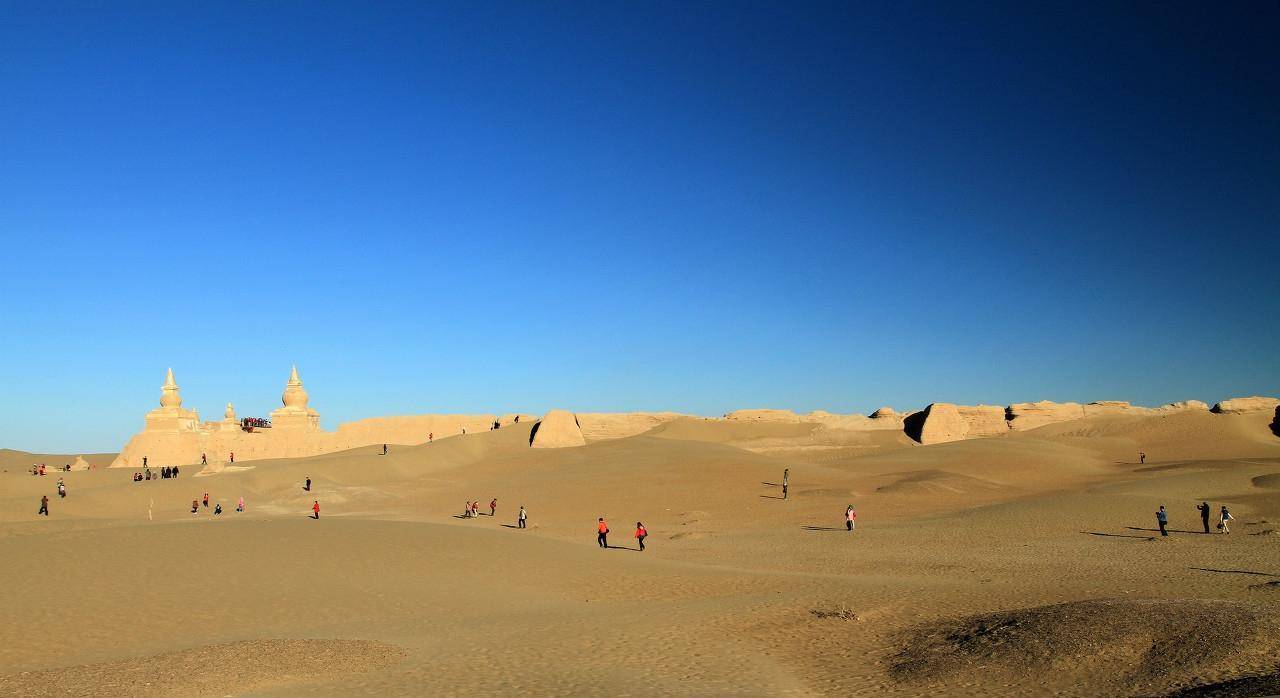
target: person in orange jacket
<point>602,533</point>
<point>641,534</point>
<point>316,508</point>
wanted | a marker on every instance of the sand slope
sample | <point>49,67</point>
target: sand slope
<point>1046,534</point>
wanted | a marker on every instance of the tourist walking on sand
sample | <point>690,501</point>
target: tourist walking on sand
<point>384,449</point>
<point>204,459</point>
<point>1142,457</point>
<point>195,506</point>
<point>62,489</point>
<point>641,534</point>
<point>786,480</point>
<point>493,507</point>
<point>44,505</point>
<point>1163,519</point>
<point>1203,508</point>
<point>315,510</point>
<point>240,504</point>
<point>206,499</point>
<point>520,519</point>
<point>233,456</point>
<point>174,472</point>
<point>1223,520</point>
<point>602,533</point>
<point>431,437</point>
<point>306,487</point>
<point>850,518</point>
<point>217,509</point>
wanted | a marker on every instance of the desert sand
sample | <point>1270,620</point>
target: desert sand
<point>1025,561</point>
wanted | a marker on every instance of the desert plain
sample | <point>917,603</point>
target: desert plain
<point>1022,563</point>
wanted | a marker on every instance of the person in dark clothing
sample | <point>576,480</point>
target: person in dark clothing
<point>1142,457</point>
<point>1163,519</point>
<point>602,533</point>
<point>384,449</point>
<point>44,505</point>
<point>144,461</point>
<point>217,510</point>
<point>204,459</point>
<point>307,487</point>
<point>493,507</point>
<point>522,516</point>
<point>1203,507</point>
<point>174,472</point>
<point>786,481</point>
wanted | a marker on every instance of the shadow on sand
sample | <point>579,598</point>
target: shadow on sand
<point>770,496</point>
<point>1209,569</point>
<point>1117,535</point>
<point>1170,530</point>
<point>821,528</point>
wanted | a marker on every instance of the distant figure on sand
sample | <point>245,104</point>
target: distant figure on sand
<point>520,519</point>
<point>240,504</point>
<point>641,534</point>
<point>144,462</point>
<point>602,533</point>
<point>1223,520</point>
<point>786,480</point>
<point>174,472</point>
<point>1203,508</point>
<point>431,437</point>
<point>204,459</point>
<point>44,505</point>
<point>384,449</point>
<point>206,499</point>
<point>306,487</point>
<point>217,510</point>
<point>233,456</point>
<point>315,510</point>
<point>493,507</point>
<point>62,488</point>
<point>1142,457</point>
<point>195,506</point>
<point>850,518</point>
<point>1163,519</point>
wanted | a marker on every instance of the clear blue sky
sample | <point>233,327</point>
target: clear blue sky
<point>640,206</point>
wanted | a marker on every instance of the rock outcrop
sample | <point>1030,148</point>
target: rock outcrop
<point>1241,405</point>
<point>557,429</point>
<point>942,422</point>
<point>1184,405</point>
<point>983,420</point>
<point>601,426</point>
<point>1029,415</point>
<point>763,415</point>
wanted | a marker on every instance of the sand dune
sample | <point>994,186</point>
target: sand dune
<point>1026,563</point>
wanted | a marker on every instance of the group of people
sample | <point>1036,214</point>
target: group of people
<point>166,472</point>
<point>1224,518</point>
<point>217,507</point>
<point>602,534</point>
<point>39,468</point>
<point>249,423</point>
<point>472,509</point>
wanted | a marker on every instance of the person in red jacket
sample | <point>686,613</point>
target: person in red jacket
<point>641,534</point>
<point>316,509</point>
<point>602,533</point>
<point>493,507</point>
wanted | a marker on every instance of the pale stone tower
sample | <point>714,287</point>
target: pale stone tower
<point>170,416</point>
<point>295,415</point>
<point>230,422</point>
